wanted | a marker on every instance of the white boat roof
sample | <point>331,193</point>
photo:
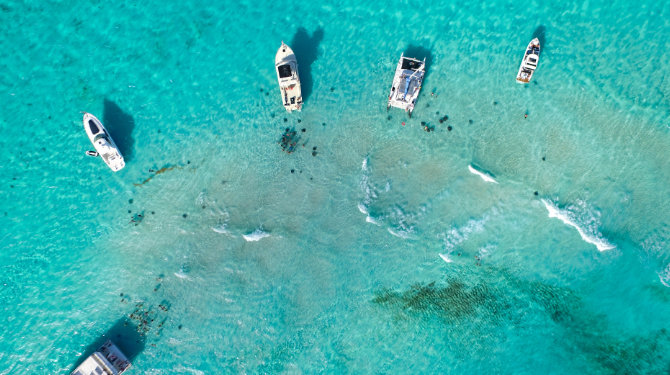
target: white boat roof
<point>530,62</point>
<point>96,364</point>
<point>108,360</point>
<point>286,66</point>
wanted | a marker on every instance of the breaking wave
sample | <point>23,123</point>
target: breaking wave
<point>214,210</point>
<point>486,250</point>
<point>485,176</point>
<point>221,228</point>
<point>583,219</point>
<point>256,235</point>
<point>446,258</point>
<point>664,276</point>
<point>370,193</point>
<point>456,236</point>
<point>401,223</point>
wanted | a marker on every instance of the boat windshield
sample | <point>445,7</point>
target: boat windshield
<point>101,136</point>
<point>412,65</point>
<point>284,71</point>
<point>94,127</point>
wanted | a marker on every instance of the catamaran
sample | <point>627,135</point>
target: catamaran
<point>529,62</point>
<point>289,82</point>
<point>103,143</point>
<point>406,83</point>
<point>108,360</point>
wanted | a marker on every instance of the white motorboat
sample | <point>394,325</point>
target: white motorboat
<point>289,81</point>
<point>103,143</point>
<point>407,83</point>
<point>529,63</point>
<point>107,360</point>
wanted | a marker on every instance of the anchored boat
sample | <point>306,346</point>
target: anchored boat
<point>407,83</point>
<point>289,82</point>
<point>108,360</point>
<point>103,143</point>
<point>529,63</point>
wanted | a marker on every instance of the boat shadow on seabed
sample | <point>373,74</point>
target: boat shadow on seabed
<point>420,53</point>
<point>120,126</point>
<point>540,33</point>
<point>306,49</point>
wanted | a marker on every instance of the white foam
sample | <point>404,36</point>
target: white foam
<point>486,250</point>
<point>370,193</point>
<point>181,275</point>
<point>665,276</point>
<point>445,257</point>
<point>401,234</point>
<point>401,223</point>
<point>565,216</point>
<point>214,210</point>
<point>485,176</point>
<point>455,236</point>
<point>201,199</point>
<point>221,228</point>
<point>364,210</point>
<point>256,235</point>
<point>371,220</point>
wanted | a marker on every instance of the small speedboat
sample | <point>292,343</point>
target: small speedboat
<point>107,360</point>
<point>103,143</point>
<point>406,83</point>
<point>529,63</point>
<point>289,82</point>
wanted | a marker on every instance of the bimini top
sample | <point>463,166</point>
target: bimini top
<point>407,82</point>
<point>286,66</point>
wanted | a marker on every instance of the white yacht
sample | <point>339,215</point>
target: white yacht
<point>529,63</point>
<point>103,143</point>
<point>108,360</point>
<point>406,83</point>
<point>289,82</point>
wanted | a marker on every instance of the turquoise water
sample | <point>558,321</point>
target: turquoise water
<point>345,275</point>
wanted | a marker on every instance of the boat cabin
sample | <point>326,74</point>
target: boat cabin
<point>108,360</point>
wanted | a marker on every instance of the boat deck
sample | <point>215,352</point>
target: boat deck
<point>406,87</point>
<point>108,360</point>
<point>529,62</point>
<point>407,83</point>
<point>286,66</point>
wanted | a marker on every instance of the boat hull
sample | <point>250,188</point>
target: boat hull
<point>407,82</point>
<point>286,67</point>
<point>529,63</point>
<point>103,143</point>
